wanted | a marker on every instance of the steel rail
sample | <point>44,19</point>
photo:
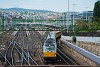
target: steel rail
<point>63,58</point>
<point>29,55</point>
<point>6,53</point>
<point>28,35</point>
<point>21,54</point>
<point>40,56</point>
<point>12,54</point>
<point>67,57</point>
<point>5,58</point>
<point>36,46</point>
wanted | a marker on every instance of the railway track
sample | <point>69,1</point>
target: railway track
<point>61,60</point>
<point>65,58</point>
<point>44,36</point>
<point>6,41</point>
<point>69,60</point>
<point>27,45</point>
<point>37,45</point>
<point>8,54</point>
<point>28,38</point>
<point>23,54</point>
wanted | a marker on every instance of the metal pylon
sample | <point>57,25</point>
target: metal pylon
<point>2,25</point>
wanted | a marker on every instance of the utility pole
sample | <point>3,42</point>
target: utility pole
<point>3,23</point>
<point>73,17</point>
<point>68,5</point>
<point>74,36</point>
<point>2,27</point>
<point>86,14</point>
<point>67,16</point>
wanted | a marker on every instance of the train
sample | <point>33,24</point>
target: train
<point>50,47</point>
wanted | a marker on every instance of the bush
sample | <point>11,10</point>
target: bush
<point>74,38</point>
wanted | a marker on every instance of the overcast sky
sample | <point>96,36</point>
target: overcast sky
<point>53,5</point>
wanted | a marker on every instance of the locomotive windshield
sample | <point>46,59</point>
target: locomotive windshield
<point>50,40</point>
<point>50,45</point>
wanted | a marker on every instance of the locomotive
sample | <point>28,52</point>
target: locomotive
<point>50,47</point>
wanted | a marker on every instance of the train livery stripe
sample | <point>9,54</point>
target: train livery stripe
<point>49,54</point>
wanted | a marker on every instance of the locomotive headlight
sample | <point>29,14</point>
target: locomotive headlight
<point>43,55</point>
<point>55,54</point>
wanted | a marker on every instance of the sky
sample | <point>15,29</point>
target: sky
<point>52,5</point>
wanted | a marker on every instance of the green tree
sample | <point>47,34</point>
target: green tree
<point>81,25</point>
<point>96,14</point>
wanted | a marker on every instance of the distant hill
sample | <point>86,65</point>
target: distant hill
<point>23,10</point>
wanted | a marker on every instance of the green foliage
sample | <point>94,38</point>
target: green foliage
<point>82,26</point>
<point>96,14</point>
<point>74,38</point>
